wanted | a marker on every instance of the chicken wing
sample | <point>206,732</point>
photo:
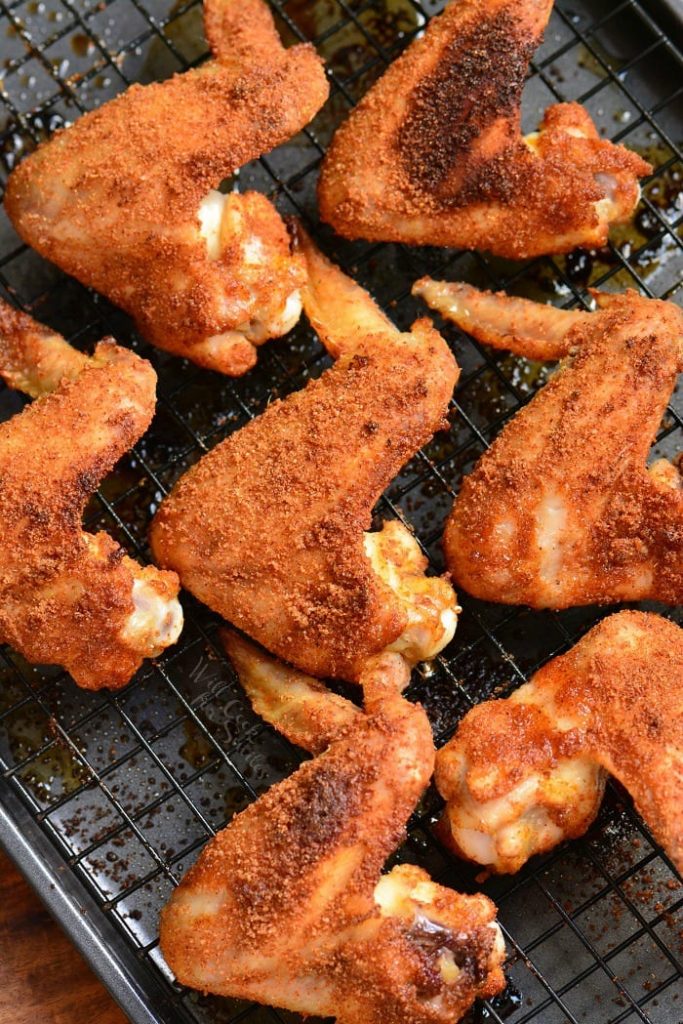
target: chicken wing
<point>268,528</point>
<point>434,155</point>
<point>126,200</point>
<point>562,510</point>
<point>300,707</point>
<point>68,597</point>
<point>288,906</point>
<point>522,774</point>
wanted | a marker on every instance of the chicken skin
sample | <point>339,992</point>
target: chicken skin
<point>126,200</point>
<point>67,597</point>
<point>299,706</point>
<point>562,509</point>
<point>522,774</point>
<point>268,529</point>
<point>434,155</point>
<point>288,905</point>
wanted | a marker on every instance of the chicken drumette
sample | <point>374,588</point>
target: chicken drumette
<point>434,155</point>
<point>268,529</point>
<point>288,905</point>
<point>68,597</point>
<point>562,510</point>
<point>126,200</point>
<point>522,774</point>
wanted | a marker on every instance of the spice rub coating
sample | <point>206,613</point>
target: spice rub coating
<point>268,528</point>
<point>522,774</point>
<point>67,597</point>
<point>286,905</point>
<point>562,510</point>
<point>433,154</point>
<point>116,199</point>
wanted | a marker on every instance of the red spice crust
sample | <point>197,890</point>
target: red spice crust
<point>623,686</point>
<point>581,446</point>
<point>268,528</point>
<point>114,199</point>
<point>60,602</point>
<point>280,907</point>
<point>433,153</point>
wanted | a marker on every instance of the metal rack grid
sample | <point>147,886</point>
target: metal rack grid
<point>105,799</point>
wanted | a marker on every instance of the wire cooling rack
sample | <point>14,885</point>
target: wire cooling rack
<point>106,799</point>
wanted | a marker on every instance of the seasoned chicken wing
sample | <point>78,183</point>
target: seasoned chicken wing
<point>288,905</point>
<point>268,529</point>
<point>562,509</point>
<point>68,597</point>
<point>434,155</point>
<point>126,200</point>
<point>522,774</point>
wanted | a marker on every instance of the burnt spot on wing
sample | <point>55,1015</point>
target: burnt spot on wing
<point>478,81</point>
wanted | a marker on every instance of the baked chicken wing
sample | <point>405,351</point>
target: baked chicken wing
<point>68,597</point>
<point>288,905</point>
<point>434,155</point>
<point>126,200</point>
<point>522,774</point>
<point>268,529</point>
<point>562,510</point>
<point>299,706</point>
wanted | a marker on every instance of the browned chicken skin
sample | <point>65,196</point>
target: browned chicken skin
<point>562,510</point>
<point>268,529</point>
<point>68,597</point>
<point>433,154</point>
<point>288,906</point>
<point>522,774</point>
<point>125,199</point>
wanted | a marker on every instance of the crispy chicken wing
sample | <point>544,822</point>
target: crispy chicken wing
<point>126,200</point>
<point>433,154</point>
<point>288,906</point>
<point>522,774</point>
<point>67,597</point>
<point>268,529</point>
<point>562,510</point>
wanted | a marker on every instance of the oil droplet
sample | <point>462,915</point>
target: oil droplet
<point>82,45</point>
<point>27,729</point>
<point>196,749</point>
<point>592,60</point>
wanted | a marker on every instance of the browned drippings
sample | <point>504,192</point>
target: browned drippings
<point>196,750</point>
<point>346,46</point>
<point>27,729</point>
<point>81,44</point>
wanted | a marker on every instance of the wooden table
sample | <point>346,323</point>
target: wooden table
<point>43,979</point>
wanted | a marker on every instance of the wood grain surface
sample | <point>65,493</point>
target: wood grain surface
<point>43,979</point>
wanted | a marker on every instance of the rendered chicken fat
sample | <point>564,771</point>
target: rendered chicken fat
<point>429,601</point>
